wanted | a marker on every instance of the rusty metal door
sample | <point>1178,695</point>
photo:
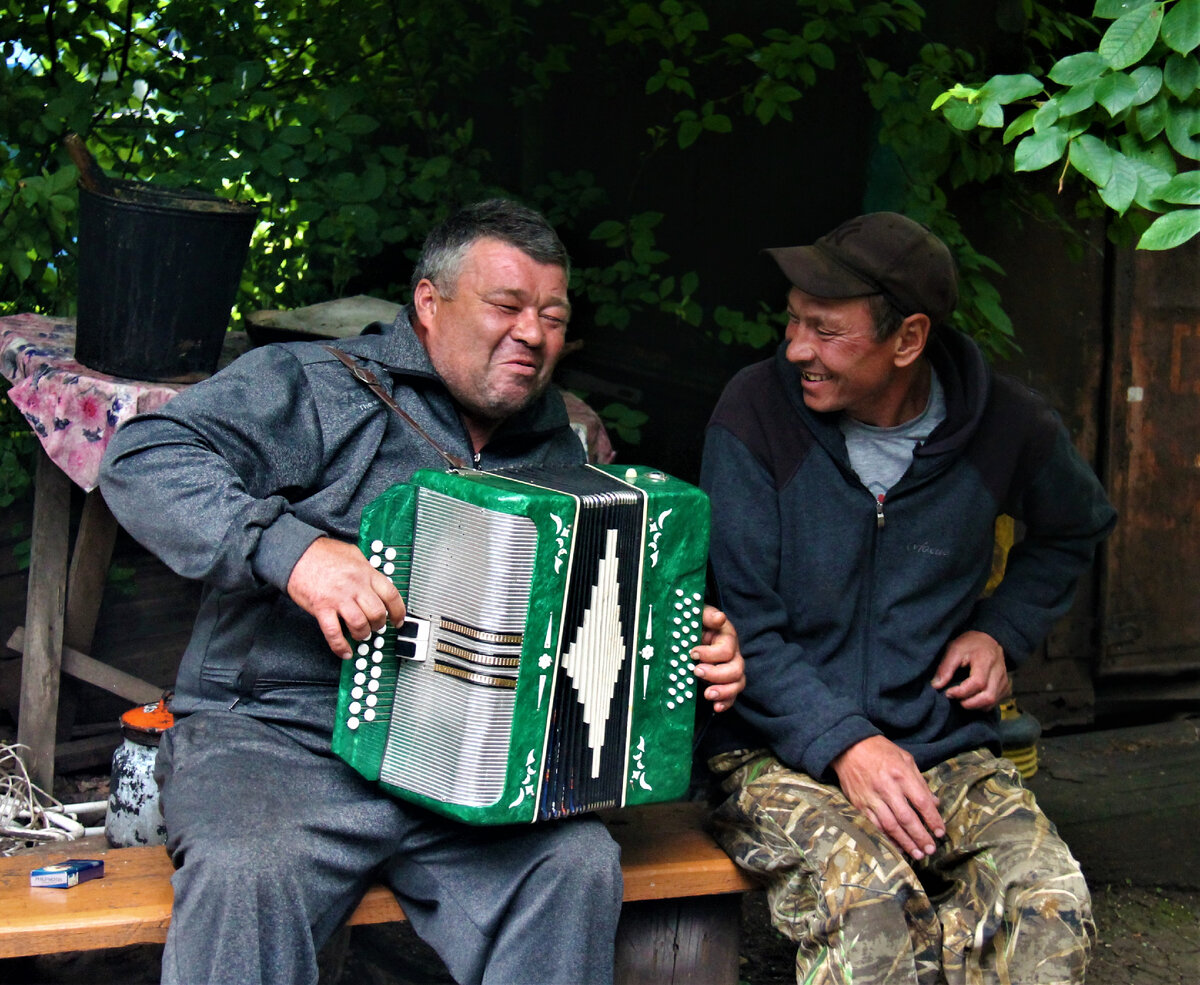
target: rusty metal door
<point>1152,575</point>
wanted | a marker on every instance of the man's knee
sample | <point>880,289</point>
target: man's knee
<point>586,860</point>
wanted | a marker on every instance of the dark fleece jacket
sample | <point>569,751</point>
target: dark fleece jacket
<point>845,606</point>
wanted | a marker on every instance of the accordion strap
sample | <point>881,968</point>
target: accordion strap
<point>366,377</point>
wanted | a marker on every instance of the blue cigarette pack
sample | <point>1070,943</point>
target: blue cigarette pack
<point>68,873</point>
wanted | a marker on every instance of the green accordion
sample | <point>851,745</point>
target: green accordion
<point>544,668</point>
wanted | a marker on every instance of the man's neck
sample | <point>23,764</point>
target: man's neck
<point>909,400</point>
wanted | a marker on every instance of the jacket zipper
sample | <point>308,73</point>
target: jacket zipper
<point>865,655</point>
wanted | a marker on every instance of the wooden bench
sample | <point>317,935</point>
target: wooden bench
<point>680,922</point>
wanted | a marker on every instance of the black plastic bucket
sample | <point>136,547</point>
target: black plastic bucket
<point>158,273</point>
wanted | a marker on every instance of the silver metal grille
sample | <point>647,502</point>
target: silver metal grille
<point>472,571</point>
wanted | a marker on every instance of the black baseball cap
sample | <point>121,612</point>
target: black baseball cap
<point>878,253</point>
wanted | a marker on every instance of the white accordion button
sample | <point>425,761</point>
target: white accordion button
<point>369,715</point>
<point>352,723</point>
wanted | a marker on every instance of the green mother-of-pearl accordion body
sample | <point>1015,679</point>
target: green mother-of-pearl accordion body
<point>544,668</point>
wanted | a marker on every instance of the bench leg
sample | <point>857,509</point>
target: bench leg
<point>679,942</point>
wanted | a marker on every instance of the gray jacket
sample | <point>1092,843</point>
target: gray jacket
<point>232,480</point>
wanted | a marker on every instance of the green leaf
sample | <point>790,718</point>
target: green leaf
<point>1009,88</point>
<point>1131,36</point>
<point>1171,230</point>
<point>1078,98</point>
<point>1149,82</point>
<point>1040,150</point>
<point>1183,189</point>
<point>689,131</point>
<point>294,136</point>
<point>1092,158</point>
<point>1181,75</point>
<point>1116,92</point>
<point>609,231</point>
<point>1150,179</point>
<point>1112,9</point>
<point>1151,118</point>
<point>1047,115</point>
<point>1020,125</point>
<point>991,115</point>
<point>1122,185</point>
<point>1075,69</point>
<point>358,124</point>
<point>962,115</point>
<point>1181,26</point>
<point>1183,123</point>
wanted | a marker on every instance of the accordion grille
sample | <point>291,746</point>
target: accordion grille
<point>471,576</point>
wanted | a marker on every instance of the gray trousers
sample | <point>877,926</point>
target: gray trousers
<point>275,840</point>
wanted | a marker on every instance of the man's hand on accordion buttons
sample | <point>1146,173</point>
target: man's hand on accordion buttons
<point>334,583</point>
<point>719,661</point>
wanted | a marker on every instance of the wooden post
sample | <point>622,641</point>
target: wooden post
<point>44,613</point>
<point>90,561</point>
<point>692,941</point>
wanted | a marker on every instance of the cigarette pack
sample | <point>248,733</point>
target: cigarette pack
<point>68,873</point>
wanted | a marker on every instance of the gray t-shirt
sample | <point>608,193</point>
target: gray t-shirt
<point>881,456</point>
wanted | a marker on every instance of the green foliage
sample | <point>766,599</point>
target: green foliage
<point>1125,117</point>
<point>16,452</point>
<point>357,124</point>
<point>624,422</point>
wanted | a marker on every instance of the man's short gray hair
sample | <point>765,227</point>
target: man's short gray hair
<point>517,225</point>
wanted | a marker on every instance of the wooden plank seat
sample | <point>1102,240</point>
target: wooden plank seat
<point>680,922</point>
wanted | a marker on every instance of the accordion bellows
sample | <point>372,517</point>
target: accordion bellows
<point>544,669</point>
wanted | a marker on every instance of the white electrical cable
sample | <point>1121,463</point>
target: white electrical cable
<point>29,814</point>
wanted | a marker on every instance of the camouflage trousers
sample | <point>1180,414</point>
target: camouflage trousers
<point>1001,900</point>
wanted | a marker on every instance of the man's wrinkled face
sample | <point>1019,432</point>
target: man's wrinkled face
<point>496,339</point>
<point>831,342</point>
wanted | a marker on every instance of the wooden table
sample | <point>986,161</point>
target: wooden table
<point>74,411</point>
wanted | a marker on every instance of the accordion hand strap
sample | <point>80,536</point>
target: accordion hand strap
<point>366,377</point>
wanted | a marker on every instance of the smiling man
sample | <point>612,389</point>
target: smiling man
<point>855,480</point>
<point>254,482</point>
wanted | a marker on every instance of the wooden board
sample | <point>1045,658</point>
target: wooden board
<point>665,855</point>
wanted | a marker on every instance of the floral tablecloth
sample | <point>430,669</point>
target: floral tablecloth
<point>74,410</point>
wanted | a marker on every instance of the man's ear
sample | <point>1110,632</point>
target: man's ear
<point>910,339</point>
<point>425,301</point>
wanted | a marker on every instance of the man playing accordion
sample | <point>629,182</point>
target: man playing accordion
<point>254,481</point>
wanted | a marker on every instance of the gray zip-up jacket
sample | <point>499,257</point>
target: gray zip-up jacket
<point>231,481</point>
